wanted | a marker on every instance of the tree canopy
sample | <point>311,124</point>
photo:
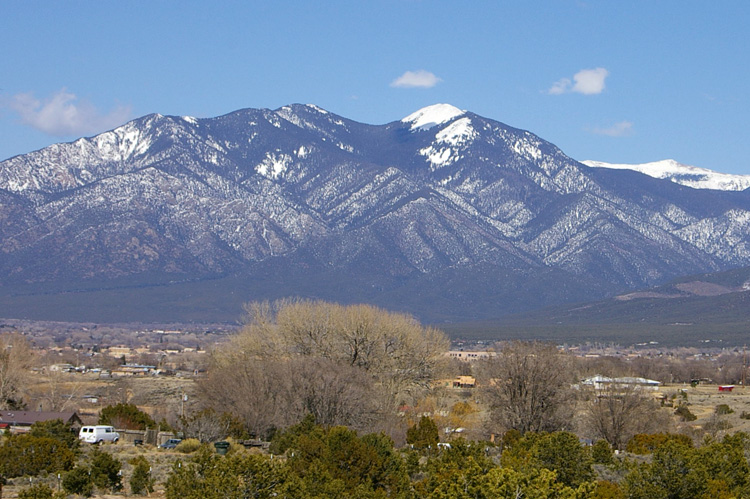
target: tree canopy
<point>527,386</point>
<point>345,365</point>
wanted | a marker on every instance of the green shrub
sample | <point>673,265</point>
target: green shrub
<point>188,446</point>
<point>39,491</point>
<point>608,490</point>
<point>648,443</point>
<point>105,471</point>
<point>562,452</point>
<point>602,452</point>
<point>78,481</point>
<point>210,476</point>
<point>284,440</point>
<point>685,414</point>
<point>716,425</point>
<point>141,481</point>
<point>22,455</point>
<point>423,435</point>
<point>58,430</point>
<point>723,409</point>
<point>412,462</point>
<point>126,416</point>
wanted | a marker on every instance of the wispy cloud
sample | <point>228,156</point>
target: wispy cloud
<point>416,79</point>
<point>620,129</point>
<point>63,114</point>
<point>586,82</point>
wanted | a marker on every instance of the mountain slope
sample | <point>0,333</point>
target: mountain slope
<point>698,310</point>
<point>299,201</point>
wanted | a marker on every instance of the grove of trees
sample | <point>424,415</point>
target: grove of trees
<point>345,365</point>
<point>324,462</point>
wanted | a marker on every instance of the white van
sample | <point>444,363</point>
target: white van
<point>98,434</point>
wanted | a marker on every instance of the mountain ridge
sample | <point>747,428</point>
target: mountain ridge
<point>690,176</point>
<point>318,197</point>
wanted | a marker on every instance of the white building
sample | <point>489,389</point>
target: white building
<point>600,382</point>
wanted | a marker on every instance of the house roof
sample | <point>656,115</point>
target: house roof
<point>30,417</point>
<point>627,380</point>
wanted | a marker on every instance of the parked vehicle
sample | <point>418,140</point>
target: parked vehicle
<point>98,434</point>
<point>171,443</point>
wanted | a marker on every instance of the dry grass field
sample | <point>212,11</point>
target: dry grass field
<point>160,396</point>
<point>702,400</point>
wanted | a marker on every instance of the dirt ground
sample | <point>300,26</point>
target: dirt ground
<point>163,397</point>
<point>702,401</point>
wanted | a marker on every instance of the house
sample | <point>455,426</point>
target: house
<point>600,382</point>
<point>62,368</point>
<point>468,356</point>
<point>726,388</point>
<point>20,421</point>
<point>465,382</point>
<point>134,370</point>
<point>119,351</point>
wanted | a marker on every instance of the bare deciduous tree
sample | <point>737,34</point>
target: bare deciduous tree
<point>61,392</point>
<point>206,426</point>
<point>341,363</point>
<point>394,348</point>
<point>277,393</point>
<point>16,358</point>
<point>619,411</point>
<point>251,390</point>
<point>528,387</point>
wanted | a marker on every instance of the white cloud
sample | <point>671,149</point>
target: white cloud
<point>590,81</point>
<point>586,82</point>
<point>620,129</point>
<point>416,79</point>
<point>561,86</point>
<point>63,114</point>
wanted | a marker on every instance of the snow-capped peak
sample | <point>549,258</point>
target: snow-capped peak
<point>691,176</point>
<point>431,116</point>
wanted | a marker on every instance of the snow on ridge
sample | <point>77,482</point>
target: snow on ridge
<point>316,108</point>
<point>190,119</point>
<point>457,133</point>
<point>431,116</point>
<point>446,148</point>
<point>690,176</point>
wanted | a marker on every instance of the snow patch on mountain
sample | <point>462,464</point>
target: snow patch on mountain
<point>432,116</point>
<point>457,133</point>
<point>303,151</point>
<point>316,108</point>
<point>690,176</point>
<point>526,148</point>
<point>274,165</point>
<point>448,143</point>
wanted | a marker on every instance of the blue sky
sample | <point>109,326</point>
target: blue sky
<point>617,81</point>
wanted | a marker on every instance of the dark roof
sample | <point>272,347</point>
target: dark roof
<point>27,418</point>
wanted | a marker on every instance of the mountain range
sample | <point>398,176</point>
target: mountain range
<point>691,176</point>
<point>444,214</point>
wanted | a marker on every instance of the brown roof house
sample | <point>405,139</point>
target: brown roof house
<point>20,421</point>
